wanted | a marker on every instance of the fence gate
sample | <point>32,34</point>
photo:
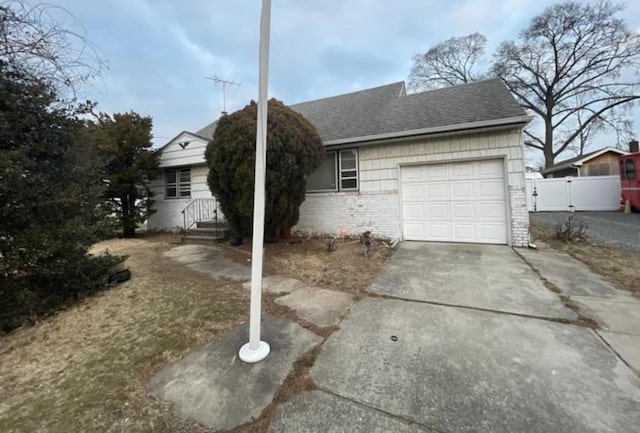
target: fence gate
<point>596,193</point>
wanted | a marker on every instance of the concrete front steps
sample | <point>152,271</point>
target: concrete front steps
<point>208,231</point>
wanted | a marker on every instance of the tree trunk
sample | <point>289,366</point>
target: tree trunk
<point>548,143</point>
<point>128,220</point>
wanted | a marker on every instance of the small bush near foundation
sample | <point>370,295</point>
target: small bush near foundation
<point>571,230</point>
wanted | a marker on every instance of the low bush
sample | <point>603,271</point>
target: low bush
<point>571,230</point>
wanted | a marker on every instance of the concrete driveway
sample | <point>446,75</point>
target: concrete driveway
<point>464,338</point>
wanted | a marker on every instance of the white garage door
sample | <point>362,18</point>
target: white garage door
<point>455,202</point>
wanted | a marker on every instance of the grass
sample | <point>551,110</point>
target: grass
<point>617,265</point>
<point>85,369</point>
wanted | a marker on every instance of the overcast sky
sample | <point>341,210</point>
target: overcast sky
<point>160,51</point>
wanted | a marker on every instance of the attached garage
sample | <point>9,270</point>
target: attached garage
<point>455,202</point>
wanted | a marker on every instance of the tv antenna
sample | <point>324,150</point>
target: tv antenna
<point>224,82</point>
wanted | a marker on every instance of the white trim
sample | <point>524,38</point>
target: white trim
<point>433,130</point>
<point>356,169</point>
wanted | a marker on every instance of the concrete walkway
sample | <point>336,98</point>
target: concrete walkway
<point>617,312</point>
<point>455,338</point>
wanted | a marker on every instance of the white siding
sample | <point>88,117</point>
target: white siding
<point>173,155</point>
<point>377,206</point>
<point>168,211</point>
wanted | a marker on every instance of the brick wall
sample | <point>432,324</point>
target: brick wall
<point>329,213</point>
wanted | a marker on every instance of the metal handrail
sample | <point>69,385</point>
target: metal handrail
<point>201,209</point>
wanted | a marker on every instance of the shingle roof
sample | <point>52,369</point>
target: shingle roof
<point>388,109</point>
<point>581,159</point>
<point>208,131</point>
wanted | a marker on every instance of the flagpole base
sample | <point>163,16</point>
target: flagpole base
<point>250,356</point>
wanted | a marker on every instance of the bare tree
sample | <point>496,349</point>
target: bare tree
<point>573,67</point>
<point>451,62</point>
<point>47,42</point>
<point>616,120</point>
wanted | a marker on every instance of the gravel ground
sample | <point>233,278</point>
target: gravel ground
<point>614,228</point>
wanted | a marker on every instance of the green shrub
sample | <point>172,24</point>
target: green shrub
<point>51,206</point>
<point>294,150</point>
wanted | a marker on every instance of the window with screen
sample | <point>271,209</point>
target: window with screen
<point>177,183</point>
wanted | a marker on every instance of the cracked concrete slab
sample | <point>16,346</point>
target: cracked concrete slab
<point>460,370</point>
<point>277,285</point>
<point>625,345</point>
<point>571,276</point>
<point>213,387</point>
<point>319,306</point>
<point>317,411</point>
<point>490,277</point>
<point>612,314</point>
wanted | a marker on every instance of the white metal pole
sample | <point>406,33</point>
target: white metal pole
<point>256,350</point>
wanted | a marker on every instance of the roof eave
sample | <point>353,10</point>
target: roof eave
<point>558,168</point>
<point>579,163</point>
<point>516,120</point>
<point>164,146</point>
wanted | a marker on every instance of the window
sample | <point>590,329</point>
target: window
<point>324,178</point>
<point>177,183</point>
<point>348,169</point>
<point>598,170</point>
<point>338,172</point>
<point>629,169</point>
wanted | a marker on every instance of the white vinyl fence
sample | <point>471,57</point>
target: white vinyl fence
<point>573,194</point>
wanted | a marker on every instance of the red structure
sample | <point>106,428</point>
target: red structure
<point>630,176</point>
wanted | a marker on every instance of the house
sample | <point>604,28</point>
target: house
<point>442,165</point>
<point>603,162</point>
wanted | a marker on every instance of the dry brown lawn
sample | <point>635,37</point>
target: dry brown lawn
<point>617,265</point>
<point>85,369</point>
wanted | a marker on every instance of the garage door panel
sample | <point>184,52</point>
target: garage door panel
<point>491,189</point>
<point>437,211</point>
<point>455,202</point>
<point>436,172</point>
<point>414,230</point>
<point>436,191</point>
<point>414,212</point>
<point>492,211</point>
<point>490,168</point>
<point>462,170</point>
<point>412,174</point>
<point>464,232</point>
<point>463,211</point>
<point>493,233</point>
<point>413,192</point>
<point>439,231</point>
<point>462,190</point>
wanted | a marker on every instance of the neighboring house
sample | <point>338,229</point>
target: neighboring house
<point>603,162</point>
<point>443,165</point>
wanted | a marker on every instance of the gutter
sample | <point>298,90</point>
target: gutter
<point>433,130</point>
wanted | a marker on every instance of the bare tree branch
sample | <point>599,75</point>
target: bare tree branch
<point>574,67</point>
<point>47,42</point>
<point>448,63</point>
